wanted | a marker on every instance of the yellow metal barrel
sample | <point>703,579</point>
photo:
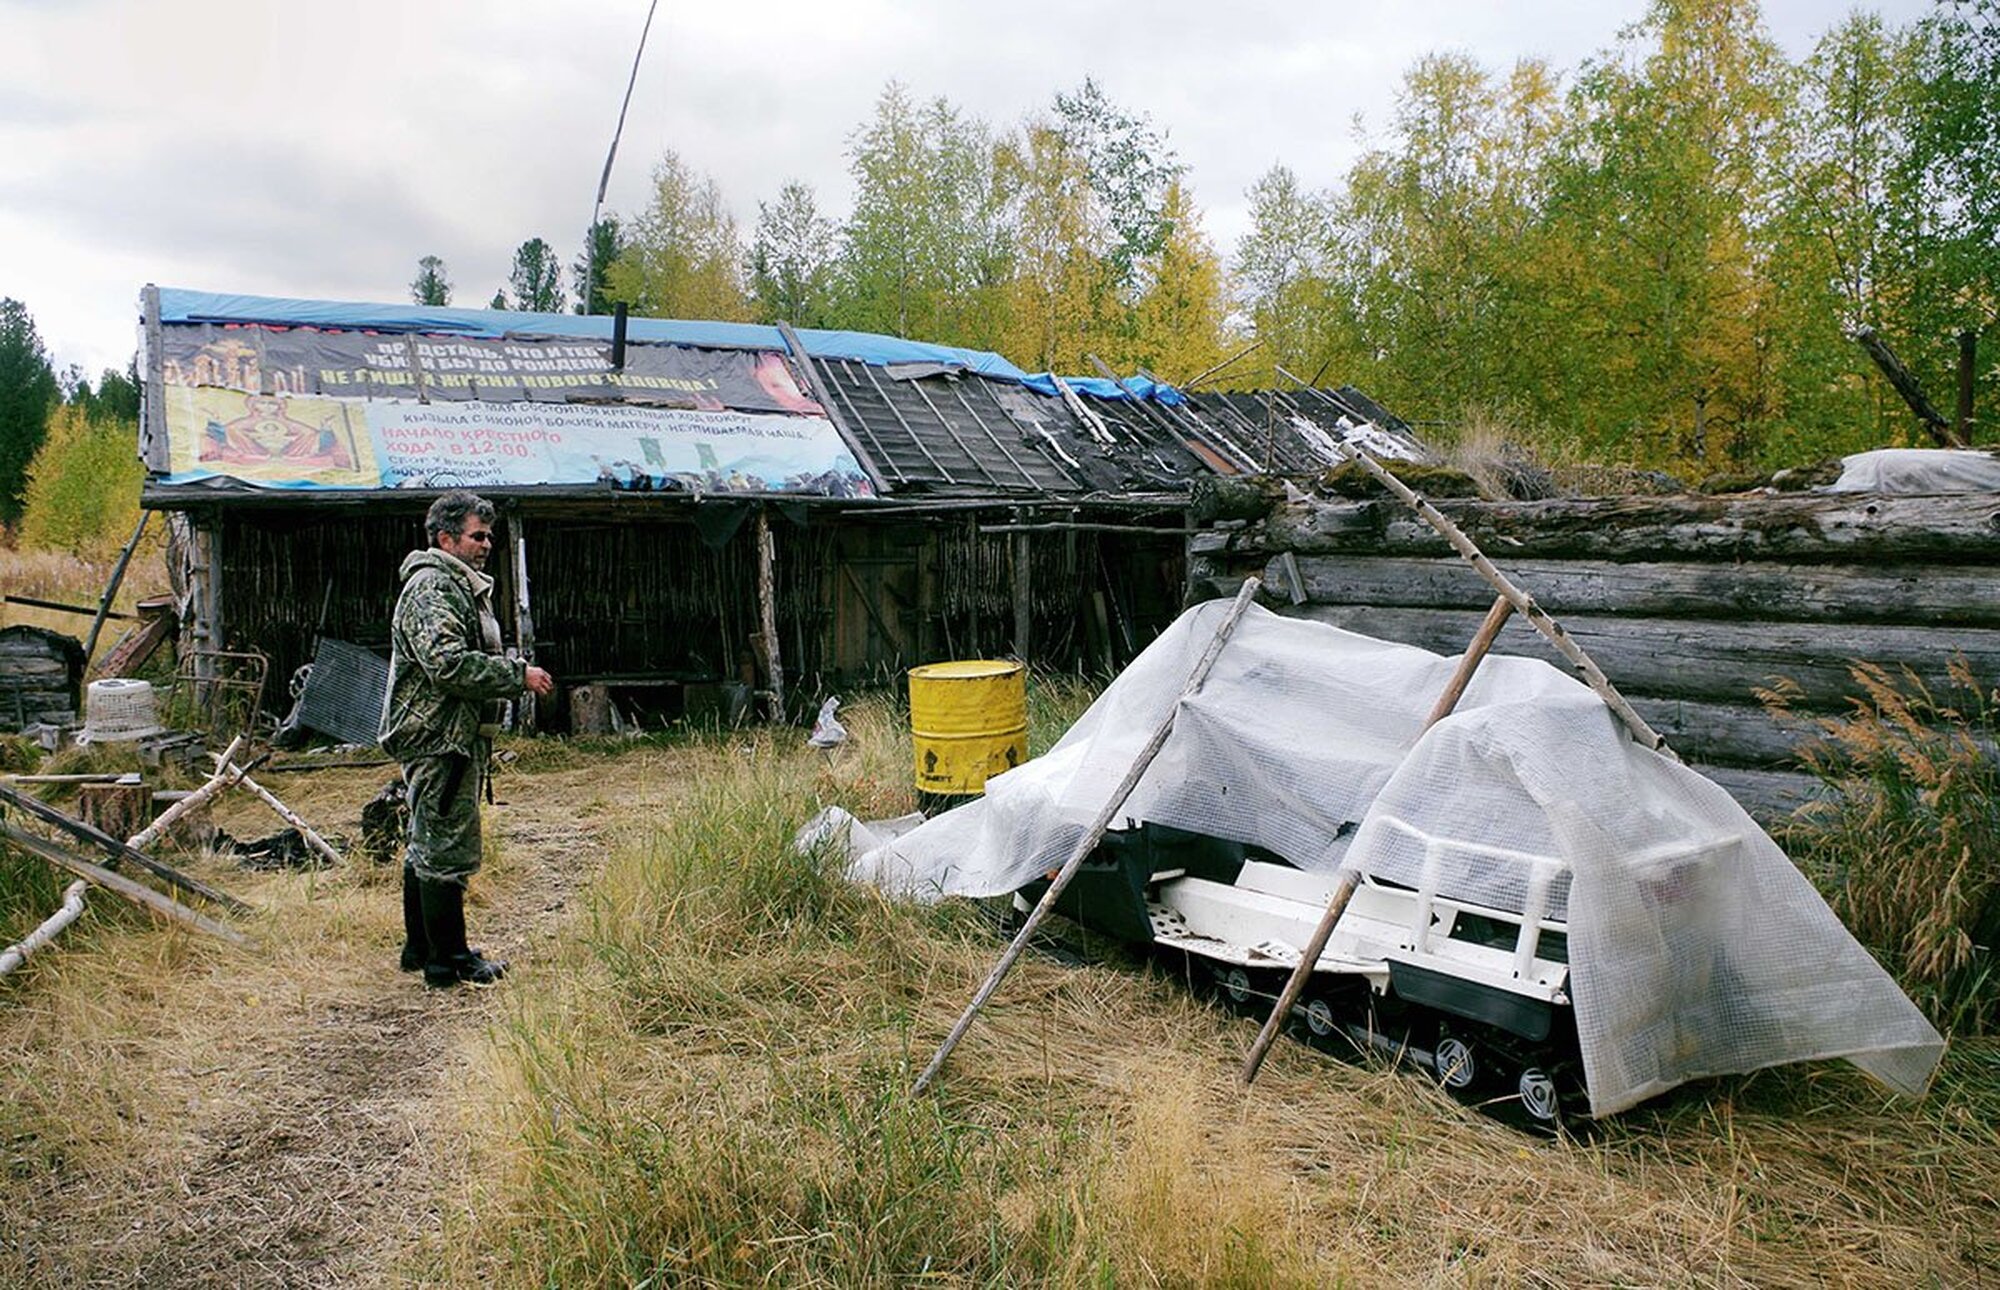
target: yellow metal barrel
<point>968,721</point>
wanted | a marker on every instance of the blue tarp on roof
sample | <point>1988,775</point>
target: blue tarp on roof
<point>179,305</point>
<point>1098,387</point>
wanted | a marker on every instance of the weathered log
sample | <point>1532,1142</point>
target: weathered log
<point>117,850</point>
<point>1729,734</point>
<point>1688,659</point>
<point>1814,528</point>
<point>1902,593</point>
<point>1770,796</point>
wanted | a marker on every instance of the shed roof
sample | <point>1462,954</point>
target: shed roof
<point>247,394</point>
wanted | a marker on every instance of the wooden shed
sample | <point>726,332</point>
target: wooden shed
<point>686,505</point>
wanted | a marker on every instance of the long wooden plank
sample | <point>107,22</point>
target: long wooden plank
<point>1811,528</point>
<point>165,906</point>
<point>119,851</point>
<point>1678,658</point>
<point>1885,593</point>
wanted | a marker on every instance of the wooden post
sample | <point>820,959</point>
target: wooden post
<point>153,406</point>
<point>142,838</point>
<point>1968,360</point>
<point>194,829</point>
<point>767,611</point>
<point>204,615</point>
<point>524,617</point>
<point>285,813</point>
<point>1343,891</point>
<point>824,397</point>
<point>1592,675</point>
<point>1095,833</point>
<point>1482,640</point>
<point>1024,603</point>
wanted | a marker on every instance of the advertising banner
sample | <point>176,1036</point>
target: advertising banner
<point>311,441</point>
<point>373,365</point>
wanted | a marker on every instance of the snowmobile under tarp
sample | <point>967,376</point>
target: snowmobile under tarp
<point>1522,861</point>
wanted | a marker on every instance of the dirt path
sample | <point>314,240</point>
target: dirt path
<point>305,1152</point>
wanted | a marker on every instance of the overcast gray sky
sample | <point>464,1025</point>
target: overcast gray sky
<point>319,149</point>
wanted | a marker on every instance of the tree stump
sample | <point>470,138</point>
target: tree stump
<point>119,809</point>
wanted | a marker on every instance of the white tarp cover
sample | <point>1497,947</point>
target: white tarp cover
<point>1918,471</point>
<point>1696,947</point>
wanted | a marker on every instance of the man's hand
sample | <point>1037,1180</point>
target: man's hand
<point>539,681</point>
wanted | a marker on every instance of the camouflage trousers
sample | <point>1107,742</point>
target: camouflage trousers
<point>443,793</point>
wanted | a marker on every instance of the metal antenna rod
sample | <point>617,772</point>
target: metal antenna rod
<point>604,180</point>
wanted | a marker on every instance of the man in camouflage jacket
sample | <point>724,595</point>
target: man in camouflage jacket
<point>447,681</point>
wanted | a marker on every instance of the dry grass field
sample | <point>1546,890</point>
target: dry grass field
<point>698,1074</point>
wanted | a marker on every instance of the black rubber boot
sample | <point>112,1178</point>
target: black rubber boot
<point>450,962</point>
<point>416,944</point>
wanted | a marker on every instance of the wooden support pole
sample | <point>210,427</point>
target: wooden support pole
<point>165,906</point>
<point>1343,891</point>
<point>111,586</point>
<point>1079,526</point>
<point>36,602</point>
<point>824,397</point>
<point>1024,600</point>
<point>1095,833</point>
<point>119,851</point>
<point>767,611</point>
<point>1482,641</point>
<point>1207,372</point>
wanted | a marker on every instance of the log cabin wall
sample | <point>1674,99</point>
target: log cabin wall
<point>1691,605</point>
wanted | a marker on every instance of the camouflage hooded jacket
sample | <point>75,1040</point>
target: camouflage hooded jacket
<point>445,665</point>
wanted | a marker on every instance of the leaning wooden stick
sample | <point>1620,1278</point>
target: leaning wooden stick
<point>1482,641</point>
<point>165,906</point>
<point>1343,891</point>
<point>216,783</point>
<point>287,814</point>
<point>118,851</point>
<point>1518,600</point>
<point>1523,603</point>
<point>1092,835</point>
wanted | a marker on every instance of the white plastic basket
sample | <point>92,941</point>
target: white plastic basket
<point>119,710</point>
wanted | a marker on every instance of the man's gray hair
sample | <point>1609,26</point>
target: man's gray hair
<point>449,513</point>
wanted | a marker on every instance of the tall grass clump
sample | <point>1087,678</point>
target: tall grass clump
<point>1907,848</point>
<point>714,1089</point>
